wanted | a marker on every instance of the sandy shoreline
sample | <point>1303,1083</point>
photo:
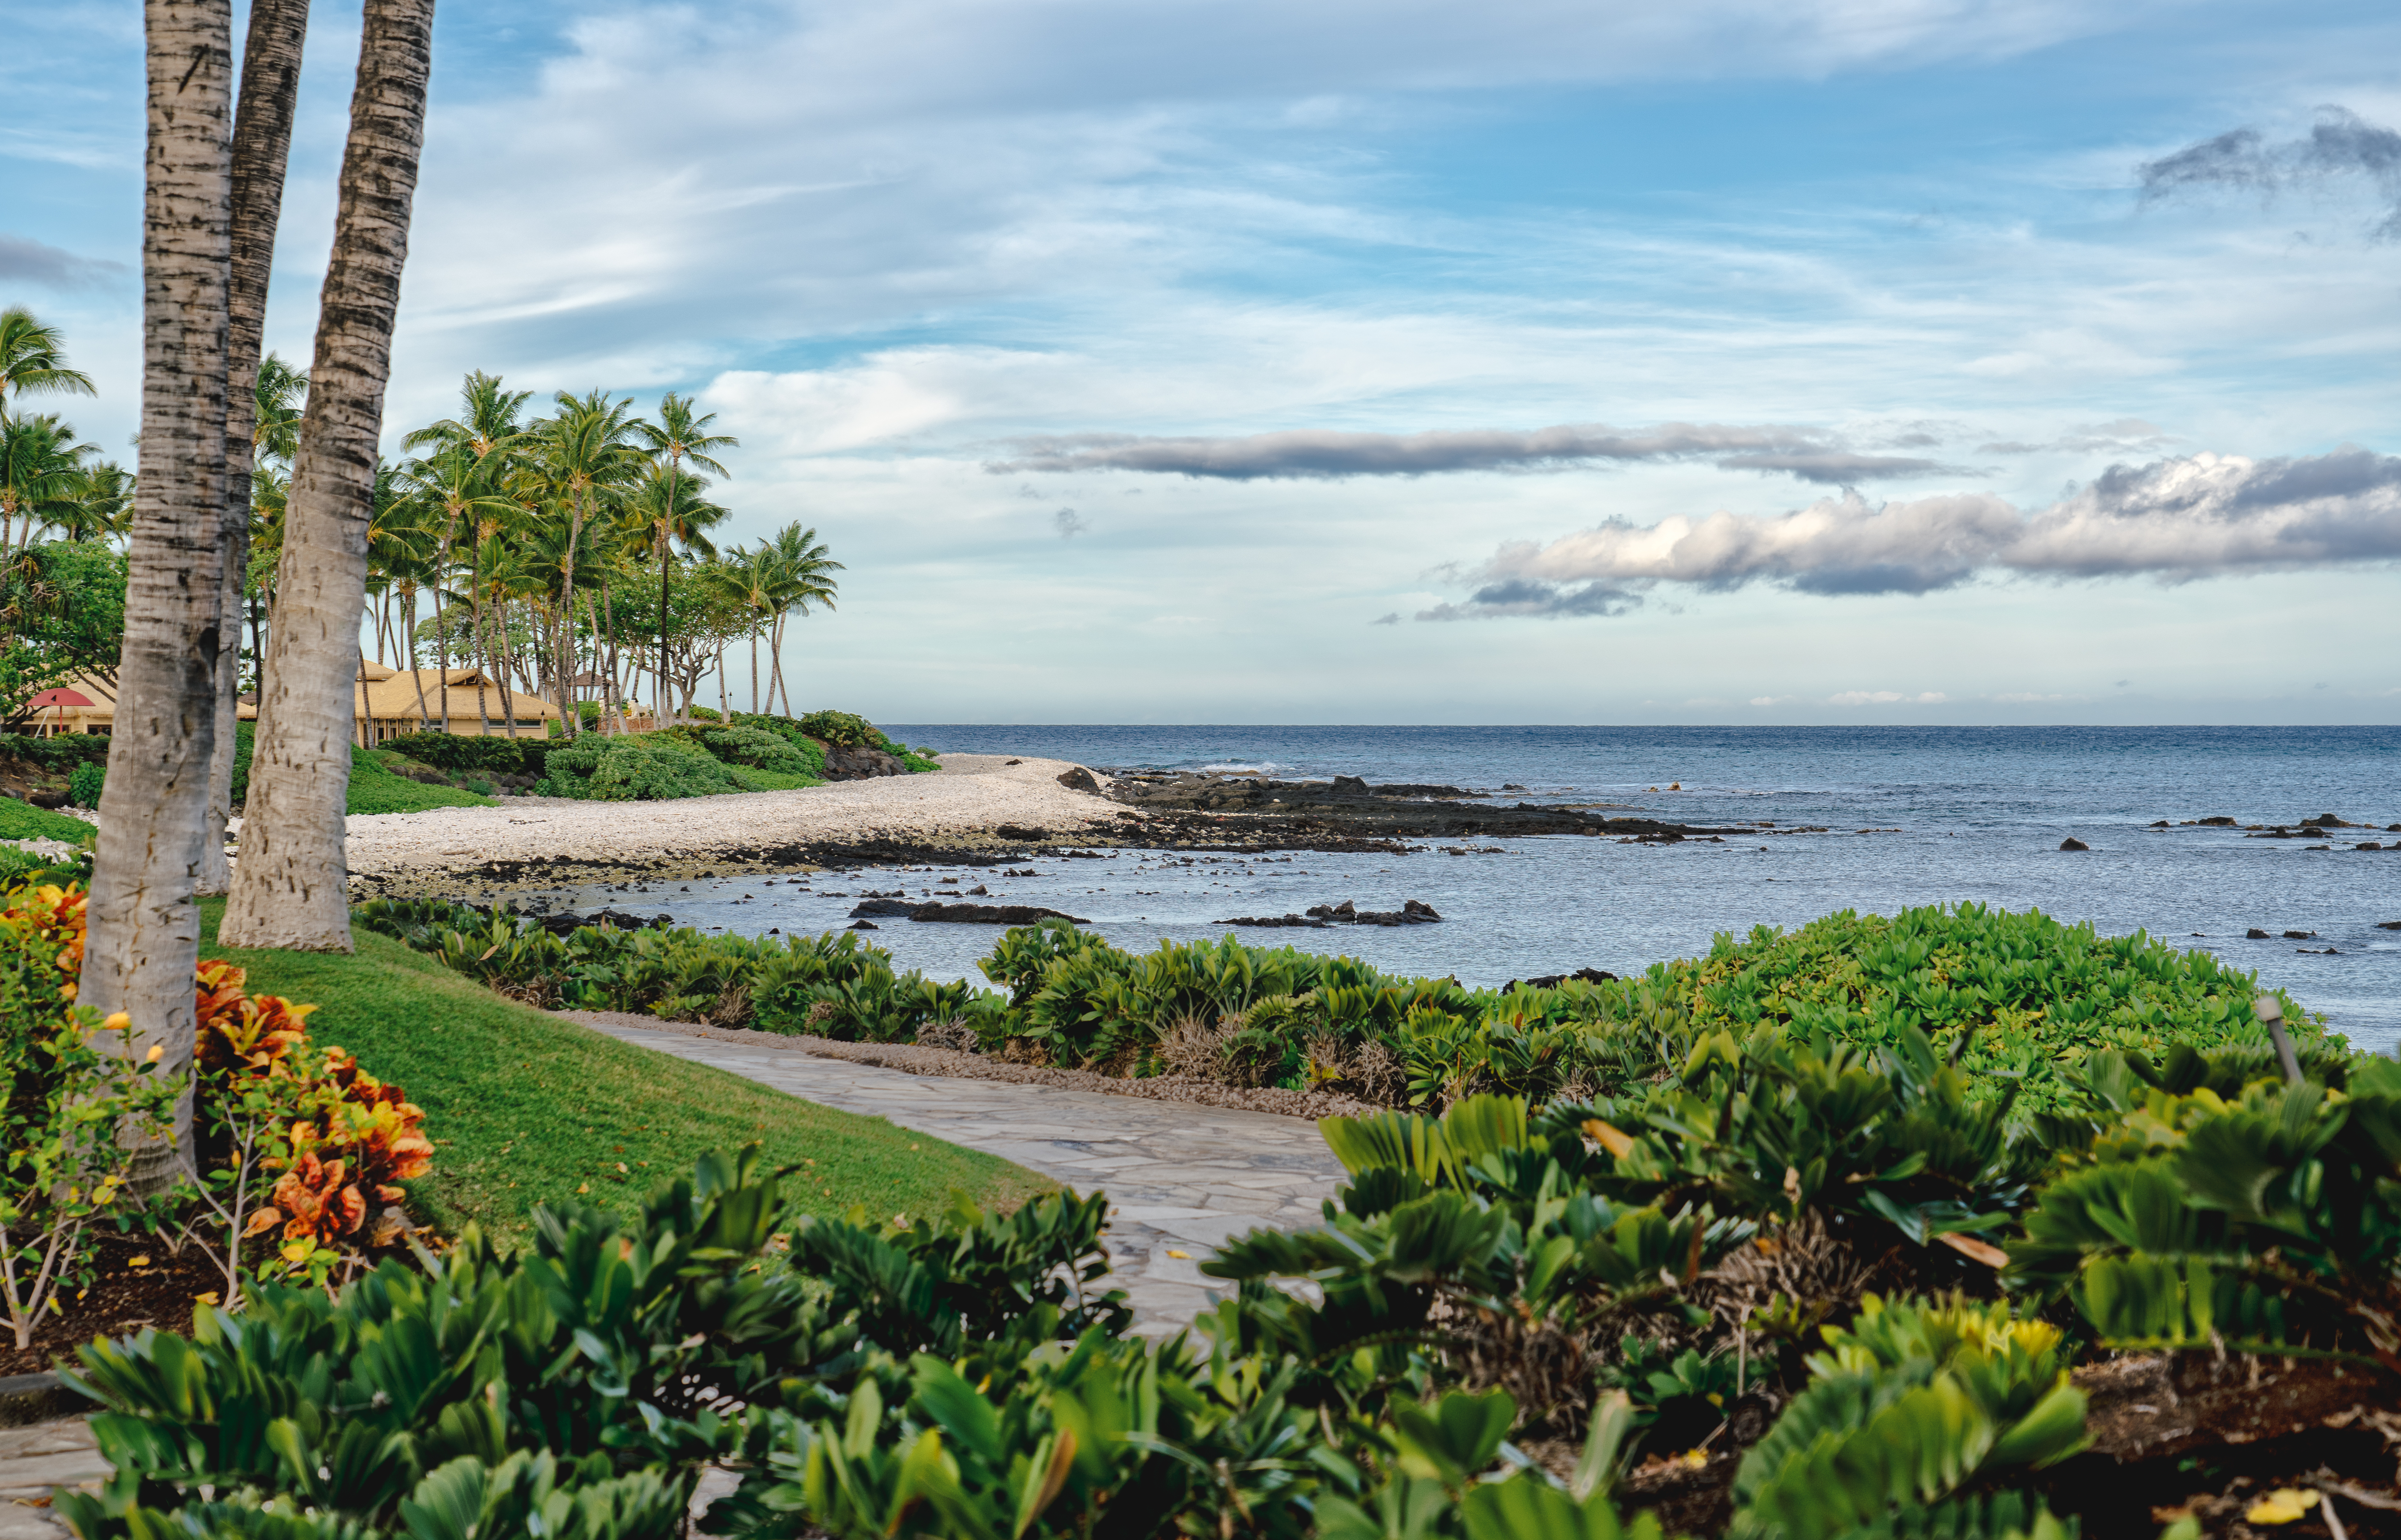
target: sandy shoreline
<point>965,803</point>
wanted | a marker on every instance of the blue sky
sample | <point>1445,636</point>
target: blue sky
<point>1422,362</point>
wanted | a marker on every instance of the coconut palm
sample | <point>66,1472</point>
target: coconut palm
<point>583,454</point>
<point>461,495</point>
<point>489,422</point>
<point>290,889</point>
<point>258,398</point>
<point>143,933</point>
<point>41,473</point>
<point>804,577</point>
<point>679,436</point>
<point>32,359</point>
<point>668,505</point>
<point>102,507</point>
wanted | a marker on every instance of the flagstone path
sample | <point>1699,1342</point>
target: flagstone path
<point>1181,1178</point>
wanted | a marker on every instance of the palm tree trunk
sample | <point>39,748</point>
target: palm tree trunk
<point>262,146</point>
<point>754,668</point>
<point>610,718</point>
<point>569,720</point>
<point>441,622</point>
<point>143,929</point>
<point>424,721</point>
<point>291,887</point>
<point>483,664</point>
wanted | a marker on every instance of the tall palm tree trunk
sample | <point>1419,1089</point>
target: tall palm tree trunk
<point>262,146</point>
<point>569,718</point>
<point>482,660</point>
<point>291,887</point>
<point>145,930</point>
<point>441,622</point>
<point>424,719</point>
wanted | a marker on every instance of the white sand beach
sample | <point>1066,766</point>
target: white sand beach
<point>971,793</point>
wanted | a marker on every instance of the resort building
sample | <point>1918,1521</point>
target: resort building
<point>386,703</point>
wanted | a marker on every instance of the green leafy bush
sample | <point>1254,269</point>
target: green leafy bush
<point>647,767</point>
<point>833,985</point>
<point>755,746</point>
<point>846,728</point>
<point>455,752</point>
<point>2209,1205</point>
<point>64,752</point>
<point>84,785</point>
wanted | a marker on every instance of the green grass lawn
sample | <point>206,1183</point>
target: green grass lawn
<point>24,821</point>
<point>523,1108</point>
<point>374,788</point>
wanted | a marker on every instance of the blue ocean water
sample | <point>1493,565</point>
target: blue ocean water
<point>1911,816</point>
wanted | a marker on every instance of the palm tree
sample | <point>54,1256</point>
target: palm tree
<point>142,935</point>
<point>261,145</point>
<point>102,508</point>
<point>491,422</point>
<point>290,889</point>
<point>32,359</point>
<point>582,455</point>
<point>680,436</point>
<point>277,397</point>
<point>669,508</point>
<point>804,570</point>
<point>464,489</point>
<point>41,473</point>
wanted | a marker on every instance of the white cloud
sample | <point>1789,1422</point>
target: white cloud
<point>2175,519</point>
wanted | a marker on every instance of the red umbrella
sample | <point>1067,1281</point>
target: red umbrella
<point>62,698</point>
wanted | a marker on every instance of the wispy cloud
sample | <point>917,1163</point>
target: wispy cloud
<point>1069,523</point>
<point>1886,698</point>
<point>1809,453</point>
<point>2174,519</point>
<point>2341,145</point>
<point>24,260</point>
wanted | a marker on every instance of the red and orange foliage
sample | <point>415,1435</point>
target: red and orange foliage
<point>341,1139</point>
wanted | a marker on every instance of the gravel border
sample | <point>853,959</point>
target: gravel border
<point>913,1059</point>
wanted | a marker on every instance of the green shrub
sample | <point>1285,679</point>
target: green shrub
<point>845,729</point>
<point>650,767</point>
<point>64,752</point>
<point>454,752</point>
<point>742,745</point>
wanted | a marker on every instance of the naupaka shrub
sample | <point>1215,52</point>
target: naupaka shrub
<point>2023,998</point>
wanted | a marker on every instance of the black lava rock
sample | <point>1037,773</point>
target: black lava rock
<point>2072,843</point>
<point>990,914</point>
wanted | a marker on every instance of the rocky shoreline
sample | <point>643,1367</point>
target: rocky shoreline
<point>979,811</point>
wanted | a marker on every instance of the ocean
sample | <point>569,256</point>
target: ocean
<point>1909,816</point>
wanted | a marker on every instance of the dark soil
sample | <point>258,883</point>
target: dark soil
<point>2170,1434</point>
<point>122,1299</point>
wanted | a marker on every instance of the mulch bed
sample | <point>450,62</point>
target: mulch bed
<point>122,1299</point>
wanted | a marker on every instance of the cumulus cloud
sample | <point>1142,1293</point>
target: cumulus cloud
<point>2176,519</point>
<point>25,260</point>
<point>2341,145</point>
<point>1809,453</point>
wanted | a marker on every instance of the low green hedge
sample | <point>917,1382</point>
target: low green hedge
<point>651,767</point>
<point>2021,999</point>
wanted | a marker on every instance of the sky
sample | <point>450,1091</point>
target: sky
<point>1895,362</point>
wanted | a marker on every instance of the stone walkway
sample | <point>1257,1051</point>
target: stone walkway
<point>1181,1178</point>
